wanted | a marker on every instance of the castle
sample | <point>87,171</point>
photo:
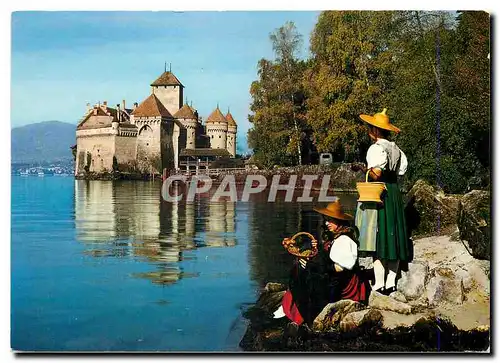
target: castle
<point>161,132</point>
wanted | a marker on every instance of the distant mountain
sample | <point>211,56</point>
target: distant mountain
<point>43,142</point>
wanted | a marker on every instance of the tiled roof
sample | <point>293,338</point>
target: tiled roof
<point>98,123</point>
<point>185,112</point>
<point>167,79</point>
<point>151,107</point>
<point>216,116</point>
<point>102,122</point>
<point>230,119</point>
<point>204,152</point>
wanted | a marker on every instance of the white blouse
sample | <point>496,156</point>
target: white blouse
<point>344,252</point>
<point>377,157</point>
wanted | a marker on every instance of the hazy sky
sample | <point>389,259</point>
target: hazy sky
<point>63,60</point>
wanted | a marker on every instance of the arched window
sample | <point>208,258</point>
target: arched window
<point>146,131</point>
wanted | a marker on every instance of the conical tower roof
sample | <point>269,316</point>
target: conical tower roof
<point>216,116</point>
<point>185,112</point>
<point>230,119</point>
<point>151,107</point>
<point>167,79</point>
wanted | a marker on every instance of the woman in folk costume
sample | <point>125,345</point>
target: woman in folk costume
<point>331,275</point>
<point>385,161</point>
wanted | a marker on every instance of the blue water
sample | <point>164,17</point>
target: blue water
<point>108,266</point>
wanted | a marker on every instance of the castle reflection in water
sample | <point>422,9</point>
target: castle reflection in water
<point>115,218</point>
<point>129,219</point>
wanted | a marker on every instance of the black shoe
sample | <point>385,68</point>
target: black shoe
<point>380,290</point>
<point>389,291</point>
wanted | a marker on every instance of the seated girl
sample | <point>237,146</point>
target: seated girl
<point>331,275</point>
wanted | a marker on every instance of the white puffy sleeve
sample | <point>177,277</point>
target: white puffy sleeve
<point>376,157</point>
<point>403,163</point>
<point>344,252</point>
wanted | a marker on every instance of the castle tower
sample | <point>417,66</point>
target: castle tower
<point>231,134</point>
<point>155,138</point>
<point>169,91</point>
<point>217,129</point>
<point>189,121</point>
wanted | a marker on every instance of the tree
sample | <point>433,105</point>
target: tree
<point>286,42</point>
<point>89,162</point>
<point>472,78</point>
<point>350,74</point>
<point>278,107</point>
<point>115,164</point>
<point>431,103</point>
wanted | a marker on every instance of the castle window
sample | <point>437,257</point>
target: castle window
<point>212,136</point>
<point>220,136</point>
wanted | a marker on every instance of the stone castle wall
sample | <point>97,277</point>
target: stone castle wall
<point>125,149</point>
<point>170,96</point>
<point>101,147</point>
<point>231,140</point>
<point>217,132</point>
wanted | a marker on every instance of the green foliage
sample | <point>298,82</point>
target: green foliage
<point>115,164</point>
<point>278,107</point>
<point>349,75</point>
<point>89,162</point>
<point>444,124</point>
<point>430,69</point>
<point>73,152</point>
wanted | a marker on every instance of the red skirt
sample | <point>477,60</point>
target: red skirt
<point>355,289</point>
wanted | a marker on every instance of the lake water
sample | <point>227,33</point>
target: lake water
<point>109,266</point>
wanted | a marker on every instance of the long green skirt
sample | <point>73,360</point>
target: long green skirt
<point>393,242</point>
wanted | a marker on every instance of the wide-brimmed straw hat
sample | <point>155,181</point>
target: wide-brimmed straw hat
<point>334,210</point>
<point>380,120</point>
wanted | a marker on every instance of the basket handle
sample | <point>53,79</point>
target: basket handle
<point>303,233</point>
<point>367,172</point>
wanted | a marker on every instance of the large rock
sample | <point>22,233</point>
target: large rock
<point>474,223</point>
<point>412,282</point>
<point>392,320</point>
<point>382,302</point>
<point>269,301</point>
<point>429,210</point>
<point>399,296</point>
<point>333,313</point>
<point>360,318</point>
<point>445,286</point>
<point>274,287</point>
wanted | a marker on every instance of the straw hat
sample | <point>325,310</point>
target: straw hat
<point>334,210</point>
<point>380,120</point>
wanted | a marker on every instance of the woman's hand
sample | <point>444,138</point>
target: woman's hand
<point>358,167</point>
<point>285,241</point>
<point>375,173</point>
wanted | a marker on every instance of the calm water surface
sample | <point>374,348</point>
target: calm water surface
<point>101,265</point>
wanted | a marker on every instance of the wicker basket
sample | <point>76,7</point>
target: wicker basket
<point>370,191</point>
<point>291,246</point>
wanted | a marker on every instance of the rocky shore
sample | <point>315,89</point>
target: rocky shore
<point>442,302</point>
